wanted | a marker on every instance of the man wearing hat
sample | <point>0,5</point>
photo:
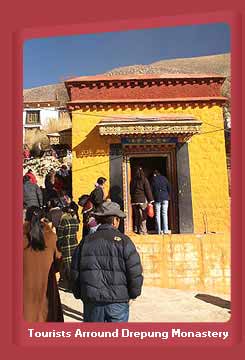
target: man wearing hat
<point>110,271</point>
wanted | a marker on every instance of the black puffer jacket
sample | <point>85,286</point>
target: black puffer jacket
<point>32,195</point>
<point>110,267</point>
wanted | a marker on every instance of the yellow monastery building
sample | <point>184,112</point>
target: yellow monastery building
<point>173,123</point>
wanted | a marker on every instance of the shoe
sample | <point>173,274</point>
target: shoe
<point>167,232</point>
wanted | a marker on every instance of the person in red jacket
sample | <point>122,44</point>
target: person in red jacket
<point>32,177</point>
<point>26,154</point>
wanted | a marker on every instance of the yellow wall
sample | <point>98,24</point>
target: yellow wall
<point>176,261</point>
<point>209,180</point>
<point>90,154</point>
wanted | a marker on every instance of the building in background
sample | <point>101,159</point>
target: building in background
<point>173,123</point>
<point>66,137</point>
<point>44,109</point>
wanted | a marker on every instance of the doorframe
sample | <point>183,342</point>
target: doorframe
<point>168,152</point>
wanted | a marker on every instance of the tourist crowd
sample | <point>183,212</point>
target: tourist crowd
<point>104,269</point>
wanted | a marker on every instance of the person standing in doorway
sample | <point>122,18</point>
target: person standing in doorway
<point>161,192</point>
<point>141,194</point>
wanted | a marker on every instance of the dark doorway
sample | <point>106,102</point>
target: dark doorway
<point>149,164</point>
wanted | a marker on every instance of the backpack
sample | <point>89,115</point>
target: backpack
<point>75,271</point>
<point>83,200</point>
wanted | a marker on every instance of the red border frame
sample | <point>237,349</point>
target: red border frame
<point>14,327</point>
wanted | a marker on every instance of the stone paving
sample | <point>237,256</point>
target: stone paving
<point>163,305</point>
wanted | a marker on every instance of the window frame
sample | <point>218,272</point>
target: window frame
<point>32,112</point>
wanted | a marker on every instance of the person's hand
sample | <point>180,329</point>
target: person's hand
<point>131,301</point>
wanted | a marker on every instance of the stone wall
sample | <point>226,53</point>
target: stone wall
<point>187,262</point>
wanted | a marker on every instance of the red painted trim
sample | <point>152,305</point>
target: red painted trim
<point>147,89</point>
<point>143,102</point>
<point>208,98</point>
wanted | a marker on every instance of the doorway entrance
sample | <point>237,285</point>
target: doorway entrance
<point>149,164</point>
<point>165,163</point>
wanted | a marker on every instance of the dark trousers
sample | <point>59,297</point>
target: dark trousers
<point>65,276</point>
<point>117,312</point>
<point>139,215</point>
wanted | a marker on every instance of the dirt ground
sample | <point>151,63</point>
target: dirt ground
<point>163,305</point>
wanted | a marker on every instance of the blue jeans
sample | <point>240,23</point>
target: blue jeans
<point>161,216</point>
<point>116,312</point>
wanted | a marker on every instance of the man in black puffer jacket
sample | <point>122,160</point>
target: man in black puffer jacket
<point>110,269</point>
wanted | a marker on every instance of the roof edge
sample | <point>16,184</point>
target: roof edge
<point>103,78</point>
<point>133,101</point>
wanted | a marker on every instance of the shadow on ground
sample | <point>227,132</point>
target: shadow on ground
<point>214,300</point>
<point>74,314</point>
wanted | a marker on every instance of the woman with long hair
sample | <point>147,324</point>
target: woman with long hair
<point>40,291</point>
<point>141,194</point>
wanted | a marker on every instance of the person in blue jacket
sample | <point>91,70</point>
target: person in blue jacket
<point>161,193</point>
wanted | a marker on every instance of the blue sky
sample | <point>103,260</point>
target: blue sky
<point>50,60</point>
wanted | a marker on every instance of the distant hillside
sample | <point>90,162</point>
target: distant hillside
<point>214,64</point>
<point>46,93</point>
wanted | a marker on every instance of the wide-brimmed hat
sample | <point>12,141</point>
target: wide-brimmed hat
<point>109,209</point>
